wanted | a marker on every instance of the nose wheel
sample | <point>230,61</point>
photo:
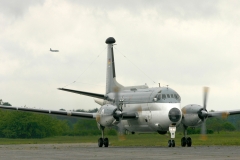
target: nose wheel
<point>171,143</point>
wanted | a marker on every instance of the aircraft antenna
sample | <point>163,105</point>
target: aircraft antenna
<point>137,67</point>
<point>85,69</point>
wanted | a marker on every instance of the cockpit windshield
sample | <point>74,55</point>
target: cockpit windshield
<point>161,96</point>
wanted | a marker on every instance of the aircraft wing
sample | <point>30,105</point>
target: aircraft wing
<point>223,113</point>
<point>62,113</point>
<point>95,95</point>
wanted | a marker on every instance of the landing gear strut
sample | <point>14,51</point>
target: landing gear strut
<point>103,141</point>
<point>186,140</point>
<point>171,142</point>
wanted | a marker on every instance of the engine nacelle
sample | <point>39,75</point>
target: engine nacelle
<point>105,115</point>
<point>108,115</point>
<point>191,116</point>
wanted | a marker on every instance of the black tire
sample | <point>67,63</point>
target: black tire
<point>100,142</point>
<point>173,143</point>
<point>189,142</point>
<point>105,142</point>
<point>183,142</point>
<point>169,143</point>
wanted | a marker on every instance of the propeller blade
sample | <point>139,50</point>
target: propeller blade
<point>205,94</point>
<point>116,97</point>
<point>203,131</point>
<point>118,114</point>
<point>121,134</point>
<point>204,114</point>
<point>223,115</point>
<point>184,111</point>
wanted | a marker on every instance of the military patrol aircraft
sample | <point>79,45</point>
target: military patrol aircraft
<point>54,50</point>
<point>139,108</point>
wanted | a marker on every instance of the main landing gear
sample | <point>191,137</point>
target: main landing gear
<point>186,141</point>
<point>171,142</point>
<point>103,141</point>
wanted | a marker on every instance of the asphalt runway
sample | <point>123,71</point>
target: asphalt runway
<point>91,151</point>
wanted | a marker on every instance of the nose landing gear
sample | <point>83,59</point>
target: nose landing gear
<point>171,142</point>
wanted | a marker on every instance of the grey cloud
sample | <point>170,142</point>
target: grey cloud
<point>17,8</point>
<point>186,9</point>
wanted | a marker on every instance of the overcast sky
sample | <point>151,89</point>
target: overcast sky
<point>183,44</point>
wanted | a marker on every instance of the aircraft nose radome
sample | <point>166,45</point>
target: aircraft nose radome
<point>174,114</point>
<point>110,40</point>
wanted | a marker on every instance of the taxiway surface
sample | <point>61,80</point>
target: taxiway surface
<point>91,151</point>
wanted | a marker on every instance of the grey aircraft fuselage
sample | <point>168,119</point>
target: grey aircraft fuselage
<point>152,106</point>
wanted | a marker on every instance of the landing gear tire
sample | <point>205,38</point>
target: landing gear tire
<point>100,142</point>
<point>189,142</point>
<point>171,143</point>
<point>105,142</point>
<point>183,142</point>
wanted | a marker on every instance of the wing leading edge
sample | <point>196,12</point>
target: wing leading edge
<point>62,113</point>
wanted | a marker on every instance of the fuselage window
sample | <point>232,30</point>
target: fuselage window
<point>159,97</point>
<point>163,96</point>
<point>168,96</point>
<point>171,95</point>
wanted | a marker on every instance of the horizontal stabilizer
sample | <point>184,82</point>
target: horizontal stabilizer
<point>95,95</point>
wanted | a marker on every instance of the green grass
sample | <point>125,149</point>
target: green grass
<point>223,138</point>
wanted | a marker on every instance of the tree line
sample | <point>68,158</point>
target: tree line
<point>17,124</point>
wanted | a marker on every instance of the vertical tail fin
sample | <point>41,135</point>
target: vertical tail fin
<point>111,82</point>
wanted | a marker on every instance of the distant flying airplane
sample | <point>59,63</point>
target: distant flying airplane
<point>139,108</point>
<point>53,50</point>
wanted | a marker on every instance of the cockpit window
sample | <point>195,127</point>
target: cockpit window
<point>176,96</point>
<point>168,96</point>
<point>163,96</point>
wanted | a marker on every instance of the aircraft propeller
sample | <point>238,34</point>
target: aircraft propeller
<point>118,113</point>
<point>203,113</point>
